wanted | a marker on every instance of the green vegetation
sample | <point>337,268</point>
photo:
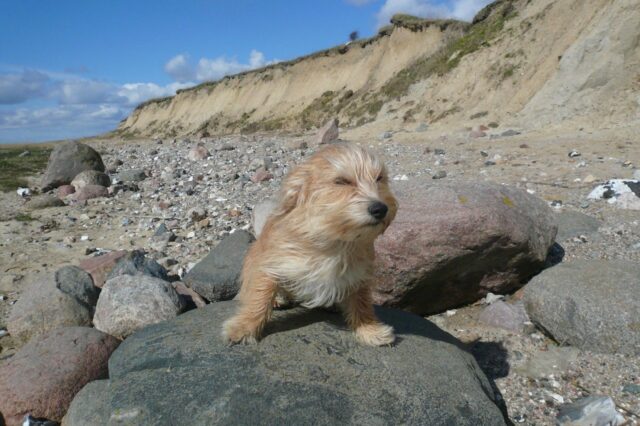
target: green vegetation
<point>479,35</point>
<point>14,168</point>
<point>266,125</point>
<point>413,23</point>
<point>23,217</point>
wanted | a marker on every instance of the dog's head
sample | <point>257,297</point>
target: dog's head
<point>340,193</point>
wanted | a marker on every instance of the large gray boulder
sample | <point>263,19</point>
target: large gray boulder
<point>307,370</point>
<point>66,161</point>
<point>591,304</point>
<point>453,242</point>
<point>217,276</point>
<point>130,302</point>
<point>43,307</point>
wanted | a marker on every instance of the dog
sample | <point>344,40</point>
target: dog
<point>316,247</point>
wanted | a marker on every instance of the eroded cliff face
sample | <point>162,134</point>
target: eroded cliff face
<point>533,63</point>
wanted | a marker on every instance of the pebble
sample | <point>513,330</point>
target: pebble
<point>574,153</point>
<point>440,174</point>
<point>24,192</point>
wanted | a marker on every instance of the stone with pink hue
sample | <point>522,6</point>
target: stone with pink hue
<point>188,295</point>
<point>452,243</point>
<point>261,175</point>
<point>65,190</point>
<point>42,378</point>
<point>199,152</point>
<point>90,191</point>
<point>100,266</point>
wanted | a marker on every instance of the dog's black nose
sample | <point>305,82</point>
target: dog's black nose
<point>378,210</point>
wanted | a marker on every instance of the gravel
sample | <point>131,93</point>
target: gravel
<point>221,186</point>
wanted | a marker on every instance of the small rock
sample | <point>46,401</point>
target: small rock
<point>133,175</point>
<point>328,133</point>
<point>385,135</point>
<point>490,298</point>
<point>499,314</point>
<point>136,263</point>
<point>43,202</point>
<point>441,174</point>
<point>592,410</point>
<point>23,192</point>
<point>574,153</point>
<point>261,175</point>
<point>477,134</point>
<point>78,284</point>
<point>509,133</point>
<point>128,303</point>
<point>198,153</point>
<point>89,192</point>
<point>100,266</point>
<point>90,177</point>
<point>438,151</point>
<point>24,154</point>
<point>64,190</point>
<point>189,296</point>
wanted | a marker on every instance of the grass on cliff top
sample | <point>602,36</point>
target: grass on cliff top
<point>14,169</point>
<point>479,35</point>
<point>409,22</point>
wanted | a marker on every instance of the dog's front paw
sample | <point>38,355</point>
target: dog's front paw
<point>234,332</point>
<point>375,334</point>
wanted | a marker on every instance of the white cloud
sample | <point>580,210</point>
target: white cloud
<point>18,87</point>
<point>62,105</point>
<point>135,93</point>
<point>83,91</point>
<point>180,69</point>
<point>458,9</point>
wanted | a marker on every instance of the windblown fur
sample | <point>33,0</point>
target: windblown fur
<point>316,247</point>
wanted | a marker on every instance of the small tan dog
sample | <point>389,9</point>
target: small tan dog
<point>316,247</point>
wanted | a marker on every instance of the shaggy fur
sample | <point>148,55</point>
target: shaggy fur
<point>316,247</point>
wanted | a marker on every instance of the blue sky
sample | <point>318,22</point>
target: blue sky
<point>76,68</point>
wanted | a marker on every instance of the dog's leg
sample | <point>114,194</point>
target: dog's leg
<point>361,318</point>
<point>256,302</point>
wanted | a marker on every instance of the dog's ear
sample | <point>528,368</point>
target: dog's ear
<point>294,190</point>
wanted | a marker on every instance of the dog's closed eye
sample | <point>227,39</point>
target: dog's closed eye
<point>380,177</point>
<point>342,181</point>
